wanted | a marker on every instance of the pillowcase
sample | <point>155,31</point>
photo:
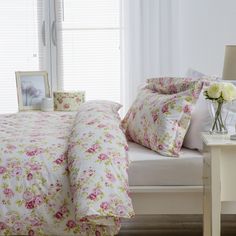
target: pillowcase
<point>161,113</point>
<point>101,106</point>
<point>68,101</point>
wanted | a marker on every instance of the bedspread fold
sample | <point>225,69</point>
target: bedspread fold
<point>98,162</point>
<point>63,173</point>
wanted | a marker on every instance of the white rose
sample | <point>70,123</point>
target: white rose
<point>214,91</point>
<point>228,92</point>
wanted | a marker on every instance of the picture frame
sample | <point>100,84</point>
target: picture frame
<point>32,87</point>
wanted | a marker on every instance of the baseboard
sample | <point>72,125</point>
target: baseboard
<point>169,224</point>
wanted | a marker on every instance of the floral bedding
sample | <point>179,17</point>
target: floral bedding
<point>160,116</point>
<point>41,194</point>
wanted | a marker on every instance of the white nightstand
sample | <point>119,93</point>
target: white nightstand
<point>219,179</point>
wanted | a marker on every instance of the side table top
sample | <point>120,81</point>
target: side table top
<point>217,139</point>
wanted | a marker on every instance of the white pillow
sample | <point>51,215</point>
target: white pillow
<point>201,119</point>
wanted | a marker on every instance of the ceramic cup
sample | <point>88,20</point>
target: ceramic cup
<point>47,104</point>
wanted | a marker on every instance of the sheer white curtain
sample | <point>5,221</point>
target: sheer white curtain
<point>21,46</point>
<point>149,38</point>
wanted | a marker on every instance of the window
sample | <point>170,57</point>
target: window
<point>88,47</point>
<point>20,46</point>
<point>76,41</point>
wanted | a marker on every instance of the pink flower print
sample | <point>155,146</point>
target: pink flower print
<point>120,210</point>
<point>111,177</point>
<point>2,170</point>
<point>30,204</point>
<point>38,200</point>
<point>58,215</point>
<point>17,226</point>
<point>63,209</point>
<point>30,152</point>
<point>30,176</point>
<point>187,109</point>
<point>103,157</point>
<point>92,196</point>
<point>70,224</point>
<point>8,192</point>
<point>93,148</point>
<point>34,167</point>
<point>104,205</point>
<point>58,161</point>
<point>97,191</point>
<point>160,147</point>
<point>146,139</point>
<point>31,233</point>
<point>154,116</point>
<point>84,219</point>
<point>2,226</point>
<point>178,144</point>
<point>126,148</point>
<point>195,94</point>
<point>66,106</point>
<point>27,196</point>
<point>97,233</point>
<point>164,108</point>
<point>172,88</point>
<point>34,221</point>
<point>110,136</point>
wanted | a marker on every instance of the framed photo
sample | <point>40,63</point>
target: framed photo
<point>32,87</point>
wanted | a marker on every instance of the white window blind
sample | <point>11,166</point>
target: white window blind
<point>19,46</point>
<point>88,33</point>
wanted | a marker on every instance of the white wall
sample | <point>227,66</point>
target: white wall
<point>205,27</point>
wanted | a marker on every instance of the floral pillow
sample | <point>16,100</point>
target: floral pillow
<point>161,113</point>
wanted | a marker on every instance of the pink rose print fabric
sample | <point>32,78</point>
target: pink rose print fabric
<point>35,193</point>
<point>98,163</point>
<point>161,114</point>
<point>68,101</point>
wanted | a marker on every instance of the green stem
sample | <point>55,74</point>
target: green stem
<point>218,122</point>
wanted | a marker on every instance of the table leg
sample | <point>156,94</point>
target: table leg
<point>212,195</point>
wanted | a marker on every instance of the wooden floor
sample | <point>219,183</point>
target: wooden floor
<point>173,225</point>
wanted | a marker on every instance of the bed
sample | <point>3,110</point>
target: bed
<point>166,185</point>
<point>51,180</point>
<point>48,185</point>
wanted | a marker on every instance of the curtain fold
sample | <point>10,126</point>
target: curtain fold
<point>147,43</point>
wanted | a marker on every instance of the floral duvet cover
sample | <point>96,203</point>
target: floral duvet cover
<point>49,181</point>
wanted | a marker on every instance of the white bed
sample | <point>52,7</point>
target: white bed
<point>167,185</point>
<point>150,168</point>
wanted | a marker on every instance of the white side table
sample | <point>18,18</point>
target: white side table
<point>219,179</point>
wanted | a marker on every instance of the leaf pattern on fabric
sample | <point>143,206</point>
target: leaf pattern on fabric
<point>35,194</point>
<point>161,114</point>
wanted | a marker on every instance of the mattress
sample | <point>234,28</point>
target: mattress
<point>149,168</point>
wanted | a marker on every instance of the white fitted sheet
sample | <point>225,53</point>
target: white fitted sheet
<point>149,168</point>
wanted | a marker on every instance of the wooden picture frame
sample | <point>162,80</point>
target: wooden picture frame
<point>32,87</point>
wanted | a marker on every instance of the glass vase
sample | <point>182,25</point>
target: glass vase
<point>219,118</point>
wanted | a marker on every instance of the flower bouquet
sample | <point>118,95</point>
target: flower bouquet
<point>219,94</point>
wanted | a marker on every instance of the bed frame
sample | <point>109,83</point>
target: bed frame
<point>152,200</point>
